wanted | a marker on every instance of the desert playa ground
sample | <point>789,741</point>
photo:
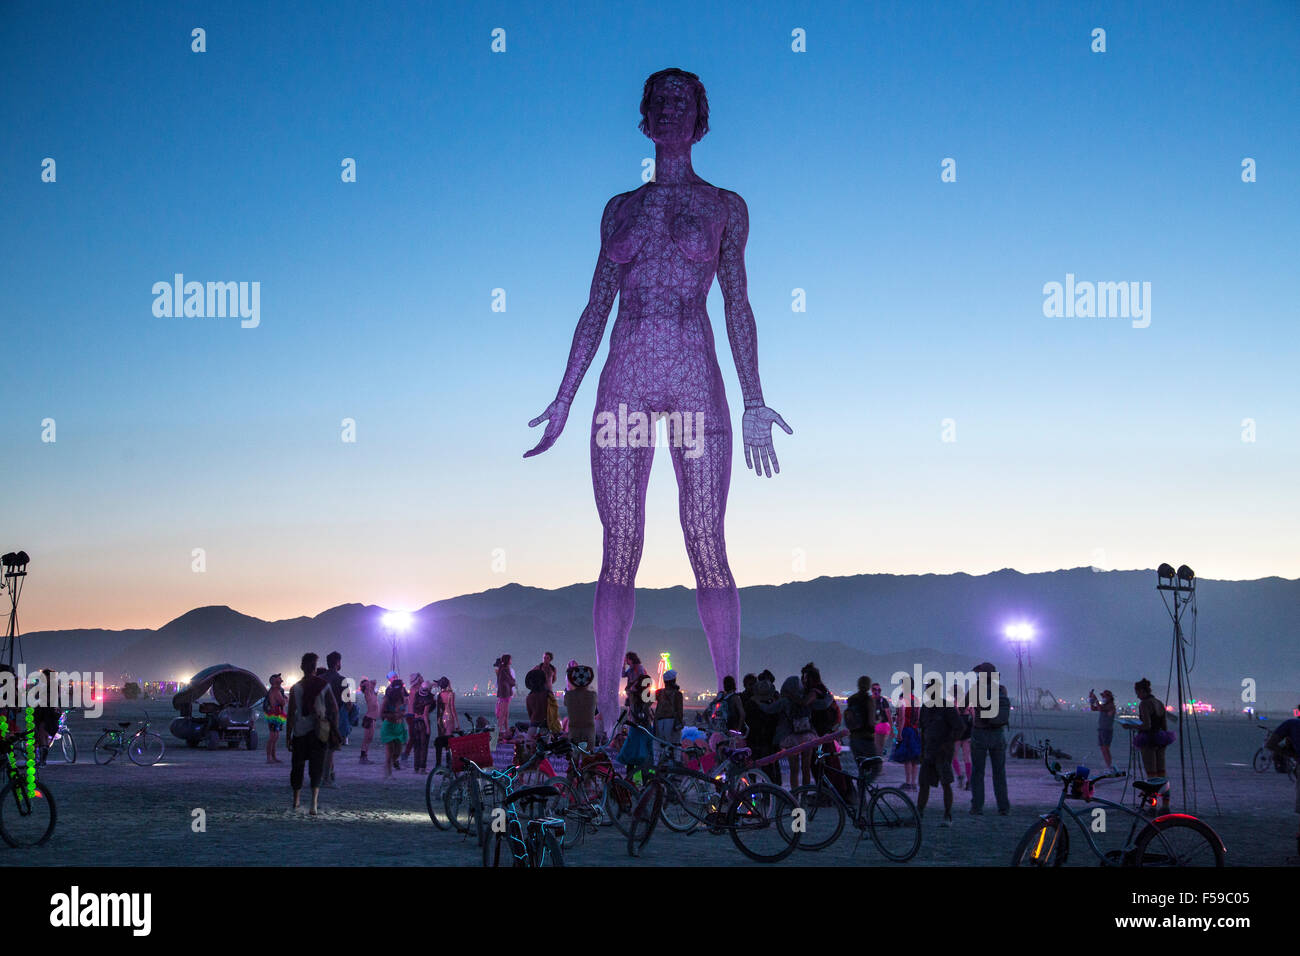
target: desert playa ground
<point>121,814</point>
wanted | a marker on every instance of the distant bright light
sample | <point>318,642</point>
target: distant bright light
<point>1019,632</point>
<point>397,620</point>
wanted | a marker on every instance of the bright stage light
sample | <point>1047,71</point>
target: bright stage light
<point>397,620</point>
<point>1019,632</point>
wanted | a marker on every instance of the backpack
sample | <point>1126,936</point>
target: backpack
<point>535,679</point>
<point>1002,717</point>
<point>716,717</point>
<point>853,719</point>
<point>320,714</point>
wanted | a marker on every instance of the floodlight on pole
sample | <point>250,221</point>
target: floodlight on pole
<point>396,623</point>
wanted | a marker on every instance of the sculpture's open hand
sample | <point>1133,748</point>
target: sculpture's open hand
<point>756,429</point>
<point>556,414</point>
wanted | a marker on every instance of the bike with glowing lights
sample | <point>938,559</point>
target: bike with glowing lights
<point>1153,838</point>
<point>27,811</point>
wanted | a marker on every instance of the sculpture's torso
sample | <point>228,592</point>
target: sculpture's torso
<point>665,238</point>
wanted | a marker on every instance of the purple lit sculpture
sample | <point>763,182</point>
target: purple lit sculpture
<point>660,246</point>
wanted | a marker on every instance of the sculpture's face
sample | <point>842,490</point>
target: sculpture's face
<point>671,113</point>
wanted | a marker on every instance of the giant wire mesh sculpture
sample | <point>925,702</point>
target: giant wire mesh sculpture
<point>660,247</point>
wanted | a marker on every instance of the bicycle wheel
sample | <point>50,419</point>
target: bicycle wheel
<point>823,817</point>
<point>1263,760</point>
<point>496,851</point>
<point>686,801</point>
<point>106,748</point>
<point>571,806</point>
<point>145,749</point>
<point>552,852</point>
<point>456,801</point>
<point>894,824</point>
<point>761,823</point>
<point>26,821</point>
<point>1177,840</point>
<point>645,816</point>
<point>617,799</point>
<point>69,747</point>
<point>1046,843</point>
<point>435,792</point>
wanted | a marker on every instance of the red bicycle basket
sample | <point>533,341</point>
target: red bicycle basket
<point>475,747</point>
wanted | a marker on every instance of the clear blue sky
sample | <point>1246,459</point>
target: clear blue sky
<point>1079,441</point>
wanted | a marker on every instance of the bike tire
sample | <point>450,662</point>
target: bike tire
<point>435,792</point>
<point>1263,760</point>
<point>145,750</point>
<point>23,821</point>
<point>617,800</point>
<point>758,809</point>
<point>571,806</point>
<point>1155,845</point>
<point>456,802</point>
<point>105,749</point>
<point>69,747</point>
<point>554,853</point>
<point>824,816</point>
<point>1046,843</point>
<point>891,812</point>
<point>645,816</point>
<point>686,801</point>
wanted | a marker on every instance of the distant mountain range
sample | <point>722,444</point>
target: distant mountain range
<point>1093,629</point>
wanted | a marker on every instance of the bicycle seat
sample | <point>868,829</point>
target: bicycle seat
<point>1157,785</point>
<point>125,725</point>
<point>531,794</point>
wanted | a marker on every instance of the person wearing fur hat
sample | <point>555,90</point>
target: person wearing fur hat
<point>580,704</point>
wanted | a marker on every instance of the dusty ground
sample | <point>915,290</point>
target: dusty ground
<point>124,814</point>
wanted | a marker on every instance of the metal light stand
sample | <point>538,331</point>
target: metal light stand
<point>15,570</point>
<point>1181,584</point>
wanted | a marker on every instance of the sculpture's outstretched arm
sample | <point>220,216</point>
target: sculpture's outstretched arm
<point>760,455</point>
<point>586,338</point>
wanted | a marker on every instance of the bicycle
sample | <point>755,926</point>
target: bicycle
<point>590,795</point>
<point>63,736</point>
<point>27,809</point>
<point>1170,839</point>
<point>1264,759</point>
<point>759,816</point>
<point>534,842</point>
<point>886,814</point>
<point>143,748</point>
<point>470,798</point>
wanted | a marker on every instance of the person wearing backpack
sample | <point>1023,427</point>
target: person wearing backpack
<point>668,710</point>
<point>793,711</point>
<point>988,744</point>
<point>725,714</point>
<point>860,720</point>
<point>312,719</point>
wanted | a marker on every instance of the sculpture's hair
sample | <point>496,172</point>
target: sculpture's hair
<point>701,100</point>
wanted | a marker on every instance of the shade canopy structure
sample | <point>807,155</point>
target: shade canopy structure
<point>230,685</point>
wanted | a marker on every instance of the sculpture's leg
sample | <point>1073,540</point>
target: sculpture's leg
<point>619,477</point>
<point>702,461</point>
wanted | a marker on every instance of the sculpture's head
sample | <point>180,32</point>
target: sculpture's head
<point>674,108</point>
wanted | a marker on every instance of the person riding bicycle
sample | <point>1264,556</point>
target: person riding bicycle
<point>1285,741</point>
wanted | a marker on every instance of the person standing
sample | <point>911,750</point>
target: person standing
<point>338,685</point>
<point>669,710</point>
<point>1153,736</point>
<point>580,705</point>
<point>988,744</point>
<point>961,749</point>
<point>276,718</point>
<point>762,723</point>
<point>505,690</point>
<point>860,719</point>
<point>908,749</point>
<point>884,728</point>
<point>425,702</point>
<point>1105,723</point>
<point>368,722</point>
<point>310,702</point>
<point>940,727</point>
<point>393,730</point>
<point>448,720</point>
